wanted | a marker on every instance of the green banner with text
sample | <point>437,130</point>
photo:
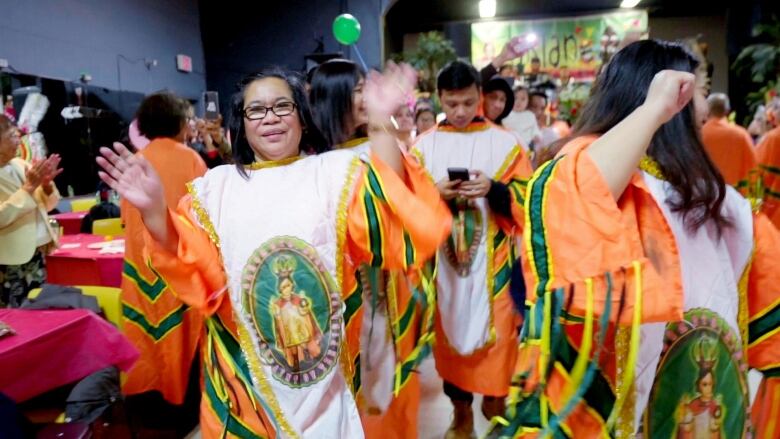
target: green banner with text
<point>579,44</point>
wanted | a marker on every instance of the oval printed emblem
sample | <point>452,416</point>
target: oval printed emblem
<point>466,235</point>
<point>295,310</point>
<point>700,388</point>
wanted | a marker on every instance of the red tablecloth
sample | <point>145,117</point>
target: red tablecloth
<point>58,347</point>
<point>70,222</point>
<point>83,266</point>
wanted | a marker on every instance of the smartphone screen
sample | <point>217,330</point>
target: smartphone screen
<point>461,174</point>
<point>211,103</point>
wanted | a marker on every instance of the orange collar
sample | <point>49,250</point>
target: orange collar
<point>478,124</point>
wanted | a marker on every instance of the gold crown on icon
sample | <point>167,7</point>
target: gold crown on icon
<point>284,266</point>
<point>705,353</point>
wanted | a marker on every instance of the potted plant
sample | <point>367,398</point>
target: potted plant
<point>761,62</point>
<point>433,51</point>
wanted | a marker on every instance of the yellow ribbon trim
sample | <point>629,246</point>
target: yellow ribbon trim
<point>544,358</point>
<point>347,367</point>
<point>650,166</point>
<point>626,379</point>
<point>510,158</point>
<point>261,381</point>
<point>581,363</point>
<point>743,316</point>
<point>273,163</point>
<point>491,279</point>
<point>203,215</point>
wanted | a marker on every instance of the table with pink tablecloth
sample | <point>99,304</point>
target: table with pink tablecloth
<point>74,263</point>
<point>70,222</point>
<point>52,348</point>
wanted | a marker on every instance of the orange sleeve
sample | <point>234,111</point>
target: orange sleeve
<point>195,273</point>
<point>394,224</point>
<point>749,159</point>
<point>577,235</point>
<point>515,177</point>
<point>199,166</point>
<point>763,298</point>
<point>768,154</point>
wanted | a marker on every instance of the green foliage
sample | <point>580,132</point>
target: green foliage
<point>760,63</point>
<point>433,51</point>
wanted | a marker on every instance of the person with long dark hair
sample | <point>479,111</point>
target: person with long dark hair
<point>387,411</point>
<point>497,99</point>
<point>636,253</point>
<point>481,172</point>
<point>337,104</point>
<point>267,250</point>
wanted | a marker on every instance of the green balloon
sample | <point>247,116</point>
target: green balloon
<point>346,29</point>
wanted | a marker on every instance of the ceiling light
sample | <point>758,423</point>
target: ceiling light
<point>487,8</point>
<point>629,3</point>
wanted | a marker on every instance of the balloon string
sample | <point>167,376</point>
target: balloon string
<point>360,57</point>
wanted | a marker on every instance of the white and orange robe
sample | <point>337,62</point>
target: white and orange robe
<point>299,229</point>
<point>476,324</point>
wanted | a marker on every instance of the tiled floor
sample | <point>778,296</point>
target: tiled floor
<point>436,409</point>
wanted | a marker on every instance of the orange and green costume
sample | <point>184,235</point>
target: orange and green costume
<point>601,272</point>
<point>163,328</point>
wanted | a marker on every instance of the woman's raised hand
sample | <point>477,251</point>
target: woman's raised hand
<point>35,175</point>
<point>51,168</point>
<point>669,92</point>
<point>385,92</point>
<point>133,178</point>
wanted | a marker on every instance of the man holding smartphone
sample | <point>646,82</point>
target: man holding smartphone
<point>481,172</point>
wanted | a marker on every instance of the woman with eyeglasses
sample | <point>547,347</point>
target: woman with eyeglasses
<point>268,249</point>
<point>27,193</point>
<point>390,397</point>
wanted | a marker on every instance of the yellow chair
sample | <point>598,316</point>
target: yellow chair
<point>82,204</point>
<point>108,227</point>
<point>109,298</point>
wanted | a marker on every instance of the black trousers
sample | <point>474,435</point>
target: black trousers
<point>456,394</point>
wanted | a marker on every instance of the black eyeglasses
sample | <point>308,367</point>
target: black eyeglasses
<point>258,112</point>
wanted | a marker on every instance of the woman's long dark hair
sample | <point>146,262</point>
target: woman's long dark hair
<point>332,85</point>
<point>676,146</point>
<point>311,140</point>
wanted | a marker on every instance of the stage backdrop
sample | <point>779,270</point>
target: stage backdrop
<point>579,44</point>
